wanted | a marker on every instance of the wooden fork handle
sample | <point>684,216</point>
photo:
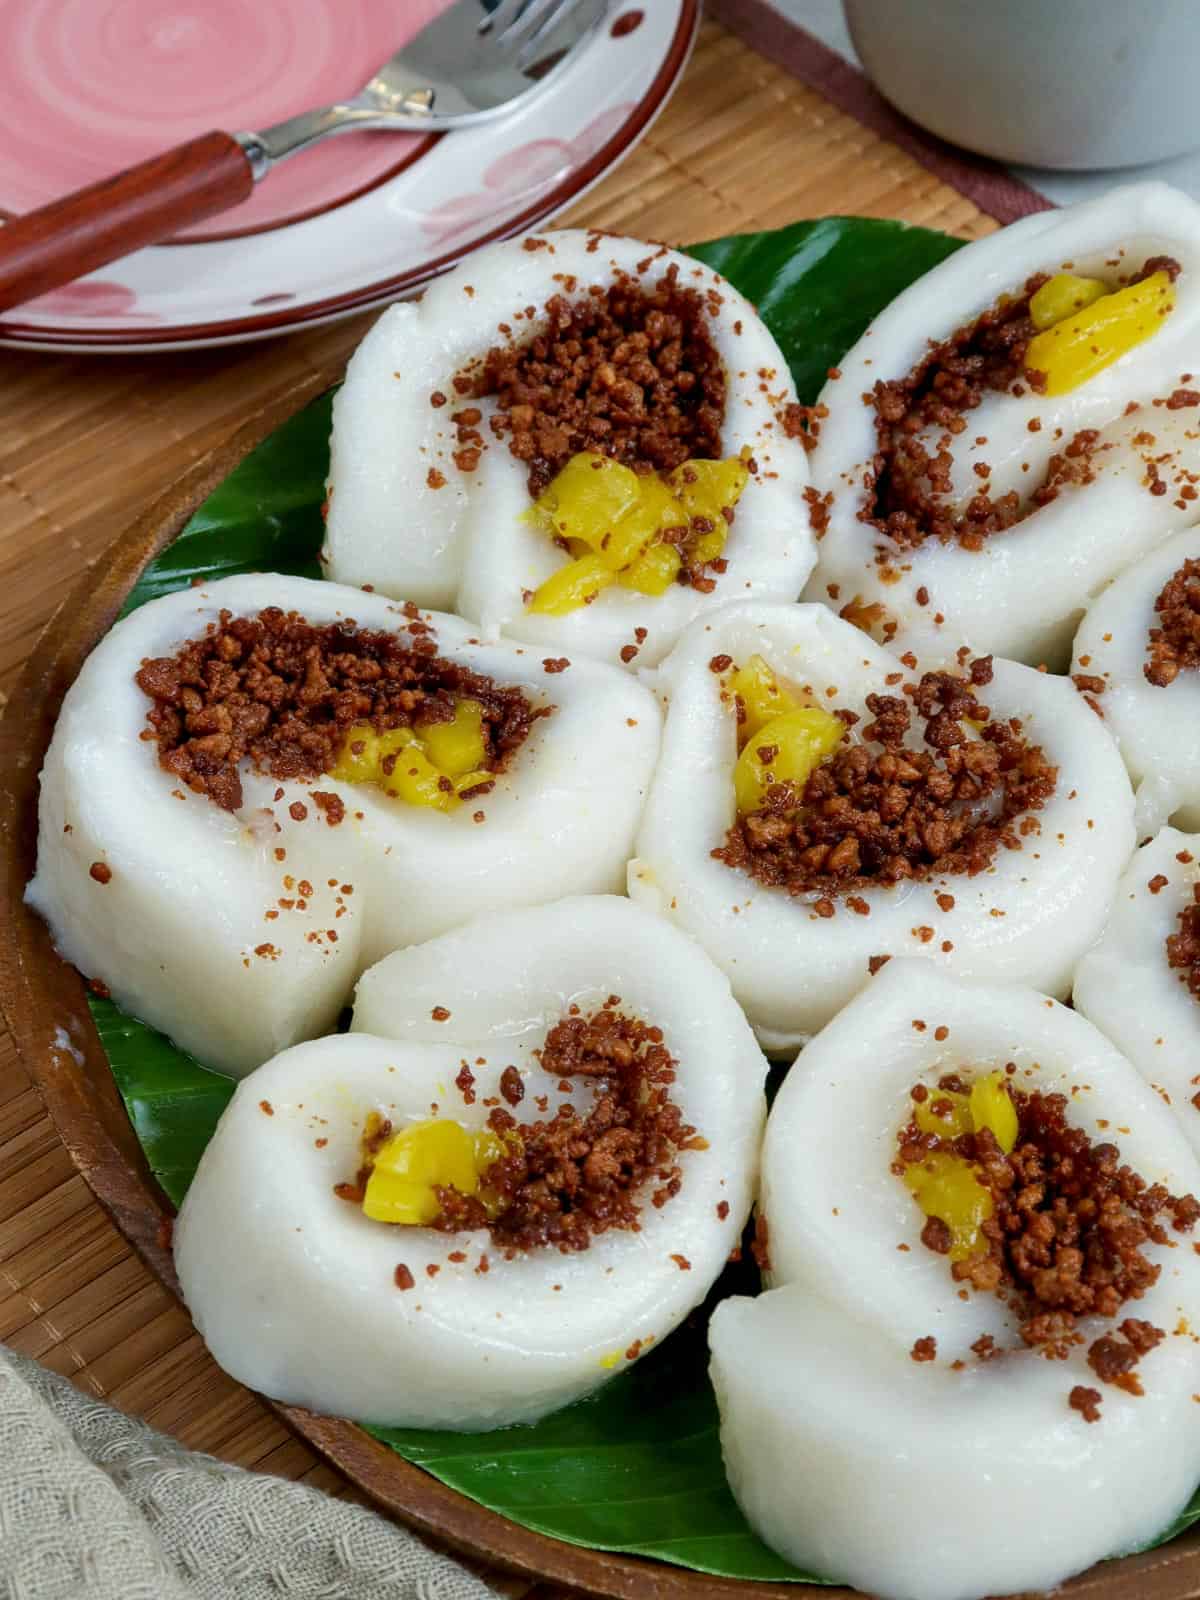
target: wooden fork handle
<point>60,242</point>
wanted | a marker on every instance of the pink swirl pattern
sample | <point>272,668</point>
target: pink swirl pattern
<point>89,86</point>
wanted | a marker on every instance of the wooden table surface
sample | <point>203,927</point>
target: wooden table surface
<point>87,441</point>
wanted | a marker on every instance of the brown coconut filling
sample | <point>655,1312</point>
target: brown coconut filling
<point>1183,949</point>
<point>1067,1234</point>
<point>878,811</point>
<point>628,370</point>
<point>282,693</point>
<point>566,1178</point>
<point>1174,641</point>
<point>908,480</point>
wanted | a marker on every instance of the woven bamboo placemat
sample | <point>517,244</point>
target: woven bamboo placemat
<point>87,442</point>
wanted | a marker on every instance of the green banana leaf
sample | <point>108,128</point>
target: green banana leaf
<point>636,1468</point>
<point>817,284</point>
<point>265,517</point>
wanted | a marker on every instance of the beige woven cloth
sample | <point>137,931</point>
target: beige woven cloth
<point>95,1505</point>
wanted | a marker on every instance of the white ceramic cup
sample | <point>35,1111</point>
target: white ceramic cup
<point>1072,84</point>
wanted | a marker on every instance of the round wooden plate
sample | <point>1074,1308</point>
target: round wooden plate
<point>45,1003</point>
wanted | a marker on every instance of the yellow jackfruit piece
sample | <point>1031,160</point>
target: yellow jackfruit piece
<point>1061,296</point>
<point>947,1124</point>
<point>456,746</point>
<point>418,1160</point>
<point>945,1186</point>
<point>572,586</point>
<point>758,689</point>
<point>788,749</point>
<point>655,571</point>
<point>992,1107</point>
<point>1080,346</point>
<point>615,522</point>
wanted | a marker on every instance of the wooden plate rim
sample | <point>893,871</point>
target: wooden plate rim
<point>45,1004</point>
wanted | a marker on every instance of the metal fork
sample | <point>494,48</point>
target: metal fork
<point>476,61</point>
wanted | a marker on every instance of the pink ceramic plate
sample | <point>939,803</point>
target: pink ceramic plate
<point>89,86</point>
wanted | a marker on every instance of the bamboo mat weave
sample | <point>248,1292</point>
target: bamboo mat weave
<point>87,442</point>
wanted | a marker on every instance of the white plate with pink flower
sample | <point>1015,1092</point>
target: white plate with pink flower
<point>90,86</point>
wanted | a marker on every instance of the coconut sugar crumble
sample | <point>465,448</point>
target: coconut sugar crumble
<point>628,370</point>
<point>282,692</point>
<point>1065,1232</point>
<point>562,1180</point>
<point>1173,644</point>
<point>877,812</point>
<point>908,481</point>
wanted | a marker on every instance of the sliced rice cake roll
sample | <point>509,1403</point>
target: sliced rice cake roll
<point>525,1165</point>
<point>821,806</point>
<point>978,1340</point>
<point>574,438</point>
<point>1136,657</point>
<point>1031,425</point>
<point>1140,984</point>
<point>262,785</point>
